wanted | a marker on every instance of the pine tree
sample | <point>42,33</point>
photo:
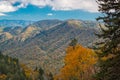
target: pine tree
<point>10,69</point>
<point>73,43</point>
<point>41,73</point>
<point>109,68</point>
<point>50,76</point>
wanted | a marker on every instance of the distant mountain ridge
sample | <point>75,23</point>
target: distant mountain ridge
<point>14,23</point>
<point>43,43</point>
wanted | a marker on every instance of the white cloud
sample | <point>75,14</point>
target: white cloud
<point>40,3</point>
<point>49,14</point>
<point>2,14</point>
<point>85,5</point>
<point>6,6</point>
<point>22,5</point>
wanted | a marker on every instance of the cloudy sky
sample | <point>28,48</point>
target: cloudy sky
<point>48,9</point>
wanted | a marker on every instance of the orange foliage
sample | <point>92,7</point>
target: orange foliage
<point>79,64</point>
<point>3,77</point>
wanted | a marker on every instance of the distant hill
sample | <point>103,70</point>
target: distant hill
<point>14,23</point>
<point>43,43</point>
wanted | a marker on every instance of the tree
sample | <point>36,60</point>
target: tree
<point>50,76</point>
<point>41,73</point>
<point>73,42</point>
<point>79,64</point>
<point>10,69</point>
<point>111,40</point>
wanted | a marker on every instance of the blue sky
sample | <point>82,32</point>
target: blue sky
<point>48,9</point>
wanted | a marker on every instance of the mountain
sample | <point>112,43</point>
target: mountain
<point>14,23</point>
<point>38,27</point>
<point>43,43</point>
<point>46,24</point>
<point>5,36</point>
<point>14,31</point>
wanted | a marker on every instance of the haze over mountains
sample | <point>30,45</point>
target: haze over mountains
<point>43,43</point>
<point>14,23</point>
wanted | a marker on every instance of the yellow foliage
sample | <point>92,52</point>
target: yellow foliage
<point>79,64</point>
<point>9,60</point>
<point>15,62</point>
<point>3,76</point>
<point>107,57</point>
<point>30,74</point>
<point>28,71</point>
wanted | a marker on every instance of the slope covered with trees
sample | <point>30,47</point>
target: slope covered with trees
<point>47,47</point>
<point>10,69</point>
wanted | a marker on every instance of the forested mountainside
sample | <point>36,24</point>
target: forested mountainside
<point>44,42</point>
<point>12,69</point>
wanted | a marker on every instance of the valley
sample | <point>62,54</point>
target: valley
<point>43,43</point>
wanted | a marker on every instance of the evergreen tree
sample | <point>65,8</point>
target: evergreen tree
<point>50,76</point>
<point>73,42</point>
<point>110,46</point>
<point>41,73</point>
<point>10,69</point>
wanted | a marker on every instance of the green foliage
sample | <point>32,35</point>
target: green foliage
<point>10,67</point>
<point>50,76</point>
<point>41,72</point>
<point>73,42</point>
<point>110,67</point>
<point>111,19</point>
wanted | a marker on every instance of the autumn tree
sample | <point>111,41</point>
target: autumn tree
<point>79,64</point>
<point>110,45</point>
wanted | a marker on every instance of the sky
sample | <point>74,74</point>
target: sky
<point>48,9</point>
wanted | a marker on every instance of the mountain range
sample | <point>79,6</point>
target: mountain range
<point>43,43</point>
<point>14,23</point>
